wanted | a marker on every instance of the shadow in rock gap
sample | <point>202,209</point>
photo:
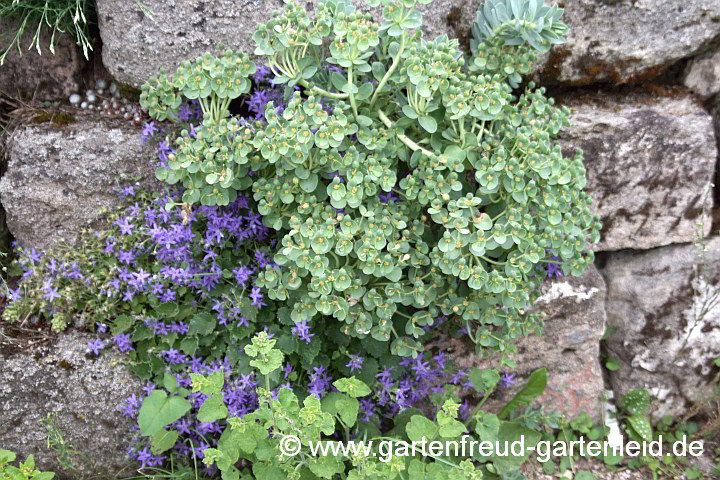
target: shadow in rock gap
<point>6,105</point>
<point>713,105</point>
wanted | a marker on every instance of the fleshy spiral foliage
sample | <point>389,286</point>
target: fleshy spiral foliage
<point>516,22</point>
<point>381,191</point>
<point>506,33</point>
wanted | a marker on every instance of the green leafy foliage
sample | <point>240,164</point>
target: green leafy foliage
<point>352,386</point>
<point>584,475</point>
<point>533,388</point>
<point>453,195</point>
<point>297,426</point>
<point>613,364</point>
<point>520,21</point>
<point>212,165</point>
<point>484,380</point>
<point>213,81</point>
<point>266,358</point>
<point>25,471</point>
<point>634,408</point>
<point>148,320</point>
<point>159,409</point>
<point>636,403</point>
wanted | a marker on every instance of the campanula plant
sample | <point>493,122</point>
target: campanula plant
<point>405,181</point>
<point>163,286</point>
<point>276,438</point>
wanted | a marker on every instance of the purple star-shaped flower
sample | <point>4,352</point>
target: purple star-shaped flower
<point>386,197</point>
<point>261,259</point>
<point>257,298</point>
<point>183,113</point>
<point>148,131</point>
<point>123,342</point>
<point>15,294</point>
<point>355,363</point>
<point>139,278</point>
<point>554,269</point>
<point>261,74</point>
<point>35,256</point>
<point>174,356</point>
<point>319,382</point>
<point>96,345</point>
<point>149,387</point>
<point>302,331</point>
<point>242,275</point>
<point>125,226</point>
<point>508,380</point>
<point>51,294</point>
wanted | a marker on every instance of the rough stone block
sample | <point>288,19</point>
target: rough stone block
<point>138,40</point>
<point>702,75</point>
<point>45,76</point>
<point>61,178</point>
<point>663,305</point>
<point>650,162</point>
<point>629,41</point>
<point>82,395</point>
<point>569,348</point>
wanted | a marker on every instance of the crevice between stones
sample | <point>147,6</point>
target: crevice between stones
<point>601,257</point>
<point>667,82</point>
<point>93,68</point>
<point>5,107</point>
<point>713,107</point>
<point>600,262</point>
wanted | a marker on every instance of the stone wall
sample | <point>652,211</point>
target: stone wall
<point>668,335</point>
<point>649,160</point>
<point>63,179</point>
<point>643,80</point>
<point>80,395</point>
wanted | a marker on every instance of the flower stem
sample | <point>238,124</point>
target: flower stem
<point>390,71</point>
<point>320,91</point>
<point>409,143</point>
<point>492,261</point>
<point>352,96</point>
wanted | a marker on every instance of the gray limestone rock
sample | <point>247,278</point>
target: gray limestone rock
<point>702,75</point>
<point>569,348</point>
<point>80,395</point>
<point>714,105</point>
<point>663,306</point>
<point>140,37</point>
<point>615,41</point>
<point>60,179</point>
<point>650,163</point>
<point>629,41</point>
